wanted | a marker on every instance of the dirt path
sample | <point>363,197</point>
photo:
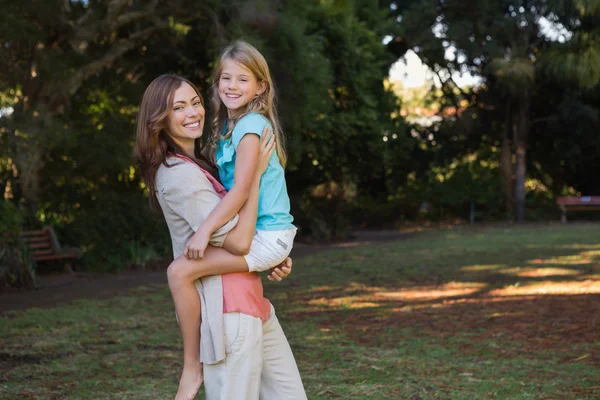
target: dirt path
<point>54,290</point>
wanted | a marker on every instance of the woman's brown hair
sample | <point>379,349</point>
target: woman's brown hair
<point>153,145</point>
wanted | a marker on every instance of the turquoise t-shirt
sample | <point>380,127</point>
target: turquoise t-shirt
<point>273,200</point>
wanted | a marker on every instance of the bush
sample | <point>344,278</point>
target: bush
<point>12,218</point>
<point>323,213</point>
<point>117,232</point>
<point>15,262</point>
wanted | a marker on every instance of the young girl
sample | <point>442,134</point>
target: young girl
<point>243,104</point>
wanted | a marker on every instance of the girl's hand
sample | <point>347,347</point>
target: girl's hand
<point>195,247</point>
<point>267,145</point>
<point>281,271</point>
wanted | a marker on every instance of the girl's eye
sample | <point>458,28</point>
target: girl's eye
<point>178,108</point>
<point>224,78</point>
<point>197,103</point>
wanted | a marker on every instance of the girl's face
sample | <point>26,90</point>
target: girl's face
<point>237,86</point>
<point>186,117</point>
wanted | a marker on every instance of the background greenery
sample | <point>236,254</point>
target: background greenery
<point>72,74</point>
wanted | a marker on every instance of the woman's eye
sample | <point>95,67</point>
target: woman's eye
<point>197,103</point>
<point>178,108</point>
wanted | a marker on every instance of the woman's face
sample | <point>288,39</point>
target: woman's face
<point>186,117</point>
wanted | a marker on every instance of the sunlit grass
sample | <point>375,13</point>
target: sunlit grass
<point>506,313</point>
<point>549,287</point>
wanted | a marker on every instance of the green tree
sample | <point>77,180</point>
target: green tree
<point>344,153</point>
<point>75,76</point>
<point>329,65</point>
<point>503,42</point>
<point>51,49</point>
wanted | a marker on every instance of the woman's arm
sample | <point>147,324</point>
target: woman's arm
<point>238,239</point>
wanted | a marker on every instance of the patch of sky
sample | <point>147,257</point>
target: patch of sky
<point>411,72</point>
<point>6,111</point>
<point>552,29</point>
<point>439,30</point>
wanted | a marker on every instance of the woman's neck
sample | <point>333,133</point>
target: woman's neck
<point>187,146</point>
<point>189,151</point>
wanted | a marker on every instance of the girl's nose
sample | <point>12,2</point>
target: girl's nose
<point>232,83</point>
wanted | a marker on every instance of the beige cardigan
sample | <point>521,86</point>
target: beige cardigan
<point>186,198</point>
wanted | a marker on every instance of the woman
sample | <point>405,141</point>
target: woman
<point>254,359</point>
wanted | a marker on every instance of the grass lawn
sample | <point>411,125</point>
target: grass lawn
<point>463,313</point>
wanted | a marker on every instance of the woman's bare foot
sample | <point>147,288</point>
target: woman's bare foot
<point>190,382</point>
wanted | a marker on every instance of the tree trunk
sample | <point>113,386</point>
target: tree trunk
<point>520,133</point>
<point>506,164</point>
<point>28,158</point>
<point>520,181</point>
<point>30,167</point>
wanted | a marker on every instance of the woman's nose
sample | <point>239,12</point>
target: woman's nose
<point>191,111</point>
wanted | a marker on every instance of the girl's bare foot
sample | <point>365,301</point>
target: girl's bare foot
<point>190,382</point>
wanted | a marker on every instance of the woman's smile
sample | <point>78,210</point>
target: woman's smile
<point>192,125</point>
<point>186,118</point>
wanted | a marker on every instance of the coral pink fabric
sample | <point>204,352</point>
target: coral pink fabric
<point>242,291</point>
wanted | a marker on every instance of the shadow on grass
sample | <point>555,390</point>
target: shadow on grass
<point>527,285</point>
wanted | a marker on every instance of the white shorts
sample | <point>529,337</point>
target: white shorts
<point>269,249</point>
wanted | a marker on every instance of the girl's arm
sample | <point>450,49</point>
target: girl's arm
<point>238,239</point>
<point>189,194</point>
<point>245,168</point>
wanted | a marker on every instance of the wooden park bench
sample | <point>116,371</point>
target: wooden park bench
<point>577,203</point>
<point>44,246</point>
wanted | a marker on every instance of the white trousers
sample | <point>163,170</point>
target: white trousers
<point>259,363</point>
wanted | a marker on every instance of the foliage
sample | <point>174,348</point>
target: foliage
<point>16,268</point>
<point>11,218</point>
<point>15,263</point>
<point>515,47</point>
<point>337,123</point>
<point>328,63</point>
<point>68,138</point>
<point>72,75</point>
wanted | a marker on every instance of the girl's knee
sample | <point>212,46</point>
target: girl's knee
<point>177,270</point>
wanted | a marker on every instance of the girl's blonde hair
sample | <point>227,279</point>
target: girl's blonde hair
<point>248,56</point>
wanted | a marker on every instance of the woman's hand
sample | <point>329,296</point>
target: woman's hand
<point>267,145</point>
<point>281,271</point>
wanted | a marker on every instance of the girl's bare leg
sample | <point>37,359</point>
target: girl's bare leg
<point>182,273</point>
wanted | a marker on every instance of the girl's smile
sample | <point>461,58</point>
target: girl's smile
<point>237,86</point>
